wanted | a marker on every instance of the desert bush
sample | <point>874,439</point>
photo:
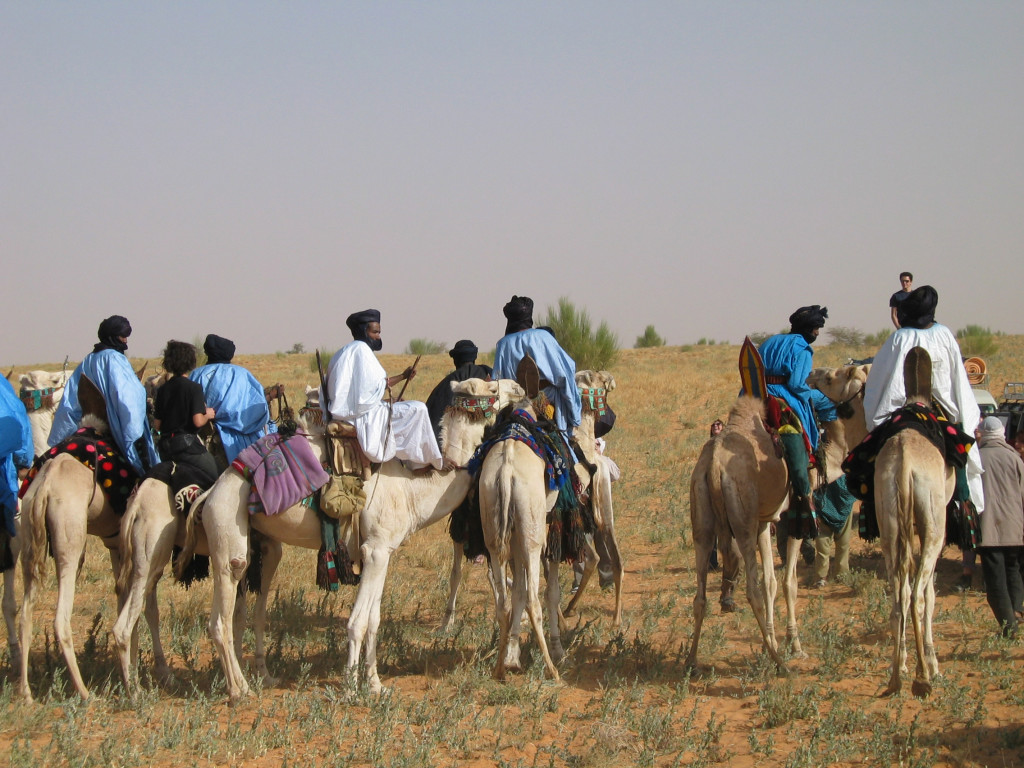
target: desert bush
<point>758,337</point>
<point>325,357</point>
<point>649,338</point>
<point>840,334</point>
<point>977,341</point>
<point>572,327</point>
<point>876,339</point>
<point>425,347</point>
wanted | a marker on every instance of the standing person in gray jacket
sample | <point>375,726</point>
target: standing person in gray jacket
<point>1002,525</point>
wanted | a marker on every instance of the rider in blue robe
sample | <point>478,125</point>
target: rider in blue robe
<point>15,449</point>
<point>788,359</point>
<point>125,397</point>
<point>557,369</point>
<point>237,397</point>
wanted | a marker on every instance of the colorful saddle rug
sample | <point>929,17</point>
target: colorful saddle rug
<point>113,473</point>
<point>569,521</point>
<point>951,441</point>
<point>283,472</point>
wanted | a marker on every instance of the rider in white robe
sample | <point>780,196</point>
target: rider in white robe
<point>884,391</point>
<point>357,386</point>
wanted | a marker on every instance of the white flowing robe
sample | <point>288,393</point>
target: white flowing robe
<point>885,391</point>
<point>356,385</point>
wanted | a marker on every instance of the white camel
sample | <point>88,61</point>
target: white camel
<point>399,503</point>
<point>845,387</point>
<point>65,504</point>
<point>912,487</point>
<point>463,427</point>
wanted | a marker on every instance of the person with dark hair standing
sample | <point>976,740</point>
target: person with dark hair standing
<point>236,396</point>
<point>463,354</point>
<point>179,413</point>
<point>108,370</point>
<point>788,359</point>
<point>1002,525</point>
<point>358,393</point>
<point>906,281</point>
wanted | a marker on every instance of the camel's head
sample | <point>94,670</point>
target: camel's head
<point>475,406</point>
<point>594,387</point>
<point>42,390</point>
<point>154,382</point>
<point>840,385</point>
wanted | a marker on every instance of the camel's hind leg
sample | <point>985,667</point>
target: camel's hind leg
<point>271,552</point>
<point>789,590</point>
<point>10,604</point>
<point>758,592</point>
<point>533,607</point>
<point>67,555</point>
<point>923,606</point>
<point>30,586</point>
<point>590,559</point>
<point>553,595</point>
<point>503,613</point>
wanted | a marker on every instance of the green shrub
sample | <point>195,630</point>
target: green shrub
<point>976,341</point>
<point>650,338</point>
<point>425,347</point>
<point>592,350</point>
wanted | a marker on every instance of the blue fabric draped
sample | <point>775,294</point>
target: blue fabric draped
<point>554,365</point>
<point>238,400</point>
<point>790,356</point>
<point>15,449</point>
<point>125,397</point>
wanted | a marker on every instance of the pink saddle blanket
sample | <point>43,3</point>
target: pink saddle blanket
<point>282,472</point>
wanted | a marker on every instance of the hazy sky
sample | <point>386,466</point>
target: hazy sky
<point>261,170</point>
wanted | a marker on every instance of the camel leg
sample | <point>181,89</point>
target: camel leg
<point>454,582</point>
<point>769,583</point>
<point>10,604</point>
<point>29,586</point>
<point>702,548</point>
<point>503,613</point>
<point>534,610</point>
<point>757,592</point>
<point>612,548</point>
<point>589,566</point>
<point>66,573</point>
<point>554,597</point>
<point>789,590</point>
<point>731,562</point>
<point>365,618</point>
<point>272,551</point>
<point>515,605</point>
<point>923,609</point>
<point>153,542</point>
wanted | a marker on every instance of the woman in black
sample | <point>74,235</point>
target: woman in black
<point>180,411</point>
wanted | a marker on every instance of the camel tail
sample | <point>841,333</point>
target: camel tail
<point>184,558</point>
<point>34,530</point>
<point>124,576</point>
<point>905,528</point>
<point>503,515</point>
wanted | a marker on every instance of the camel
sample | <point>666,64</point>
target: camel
<point>514,502</point>
<point>65,501</point>
<point>465,429</point>
<point>843,386</point>
<point>399,503</point>
<point>739,485</point>
<point>41,392</point>
<point>912,487</point>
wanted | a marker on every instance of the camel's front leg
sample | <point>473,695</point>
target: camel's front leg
<point>757,592</point>
<point>770,584</point>
<point>365,618</point>
<point>454,581</point>
<point>789,589</point>
<point>226,576</point>
<point>30,585</point>
<point>272,552</point>
<point>590,559</point>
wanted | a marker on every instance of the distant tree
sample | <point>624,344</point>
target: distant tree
<point>850,337</point>
<point>297,348</point>
<point>650,338</point>
<point>197,342</point>
<point>425,347</point>
<point>592,350</point>
<point>878,338</point>
<point>977,341</point>
<point>325,357</point>
<point>759,337</point>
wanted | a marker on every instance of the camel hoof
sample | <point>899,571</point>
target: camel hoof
<point>270,682</point>
<point>921,688</point>
<point>728,606</point>
<point>799,653</point>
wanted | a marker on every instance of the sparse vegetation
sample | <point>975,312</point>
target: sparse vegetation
<point>649,338</point>
<point>425,347</point>
<point>591,349</point>
<point>977,341</point>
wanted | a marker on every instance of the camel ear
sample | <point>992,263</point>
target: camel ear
<point>917,375</point>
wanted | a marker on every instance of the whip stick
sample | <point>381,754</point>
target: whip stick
<point>406,382</point>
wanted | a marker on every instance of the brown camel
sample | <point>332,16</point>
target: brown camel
<point>739,486</point>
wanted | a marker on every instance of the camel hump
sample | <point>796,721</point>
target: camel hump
<point>917,375</point>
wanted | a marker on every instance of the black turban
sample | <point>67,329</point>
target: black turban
<point>110,331</point>
<point>218,349</point>
<point>519,313</point>
<point>918,309</point>
<point>357,323</point>
<point>807,319</point>
<point>463,352</point>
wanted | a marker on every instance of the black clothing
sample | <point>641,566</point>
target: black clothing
<point>109,333</point>
<point>358,322</point>
<point>442,396</point>
<point>1004,586</point>
<point>519,314</point>
<point>918,309</point>
<point>896,298</point>
<point>177,402</point>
